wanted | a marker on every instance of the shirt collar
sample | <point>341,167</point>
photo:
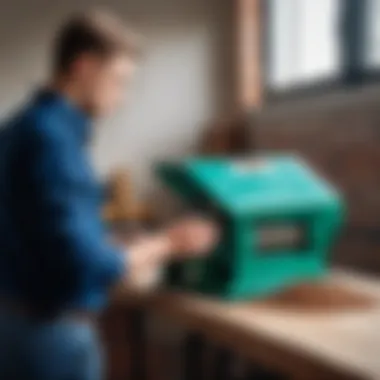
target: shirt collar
<point>78,120</point>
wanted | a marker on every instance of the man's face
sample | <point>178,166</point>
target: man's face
<point>103,82</point>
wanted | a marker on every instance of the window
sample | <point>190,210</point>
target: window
<point>319,43</point>
<point>372,31</point>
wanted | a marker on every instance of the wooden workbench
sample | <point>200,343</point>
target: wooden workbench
<point>328,330</point>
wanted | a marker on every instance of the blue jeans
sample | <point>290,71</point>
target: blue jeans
<point>63,349</point>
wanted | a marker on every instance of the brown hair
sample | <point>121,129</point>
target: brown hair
<point>95,32</point>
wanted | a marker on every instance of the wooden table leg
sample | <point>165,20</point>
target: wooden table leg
<point>138,345</point>
<point>193,354</point>
<point>258,373</point>
<point>222,364</point>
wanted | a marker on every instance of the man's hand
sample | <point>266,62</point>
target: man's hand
<point>191,237</point>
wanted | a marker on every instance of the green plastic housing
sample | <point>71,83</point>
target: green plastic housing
<point>278,219</point>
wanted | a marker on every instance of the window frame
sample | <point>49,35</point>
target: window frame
<point>352,75</point>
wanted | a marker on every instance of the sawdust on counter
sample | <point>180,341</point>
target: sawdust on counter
<point>319,297</point>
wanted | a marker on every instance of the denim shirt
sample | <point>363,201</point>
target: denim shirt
<point>54,251</point>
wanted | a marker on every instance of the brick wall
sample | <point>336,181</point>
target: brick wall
<point>340,135</point>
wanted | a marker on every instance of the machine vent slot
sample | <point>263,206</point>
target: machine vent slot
<point>280,237</point>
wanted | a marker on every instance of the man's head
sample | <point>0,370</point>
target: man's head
<point>94,59</point>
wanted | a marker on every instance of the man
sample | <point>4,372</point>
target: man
<point>56,264</point>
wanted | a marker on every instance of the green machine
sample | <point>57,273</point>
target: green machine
<point>278,222</point>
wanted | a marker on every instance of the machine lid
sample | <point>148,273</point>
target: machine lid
<point>261,184</point>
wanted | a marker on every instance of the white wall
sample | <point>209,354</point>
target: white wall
<point>183,83</point>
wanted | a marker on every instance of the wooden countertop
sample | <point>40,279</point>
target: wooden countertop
<point>327,330</point>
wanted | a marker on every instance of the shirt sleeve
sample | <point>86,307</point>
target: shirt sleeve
<point>61,222</point>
